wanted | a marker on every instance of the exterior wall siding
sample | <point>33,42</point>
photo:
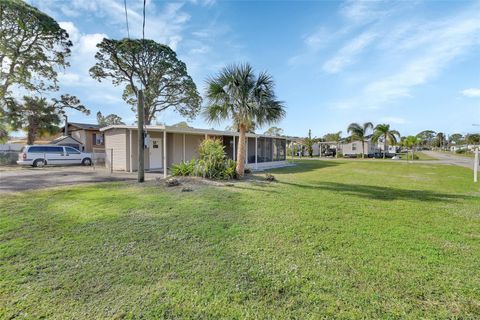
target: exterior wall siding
<point>116,139</point>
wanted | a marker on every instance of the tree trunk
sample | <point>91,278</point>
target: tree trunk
<point>31,135</point>
<point>363,149</point>
<point>241,151</point>
<point>384,146</point>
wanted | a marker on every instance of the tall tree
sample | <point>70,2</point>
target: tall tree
<point>440,140</point>
<point>456,138</point>
<point>135,63</point>
<point>37,115</point>
<point>472,138</point>
<point>336,138</point>
<point>383,131</point>
<point>109,120</point>
<point>359,133</point>
<point>274,131</point>
<point>236,93</point>
<point>426,137</point>
<point>32,48</point>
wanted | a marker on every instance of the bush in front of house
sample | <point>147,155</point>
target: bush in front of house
<point>212,163</point>
<point>184,168</point>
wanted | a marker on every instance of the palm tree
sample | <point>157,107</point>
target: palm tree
<point>383,130</point>
<point>359,133</point>
<point>237,94</point>
<point>411,142</point>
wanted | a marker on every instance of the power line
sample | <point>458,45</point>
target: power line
<point>126,17</point>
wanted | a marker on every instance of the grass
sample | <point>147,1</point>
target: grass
<point>423,156</point>
<point>329,239</point>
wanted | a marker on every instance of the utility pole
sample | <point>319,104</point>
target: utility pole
<point>141,139</point>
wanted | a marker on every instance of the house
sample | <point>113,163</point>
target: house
<point>67,141</point>
<point>87,136</point>
<point>354,148</point>
<point>166,145</point>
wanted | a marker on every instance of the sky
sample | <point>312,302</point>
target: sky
<point>412,64</point>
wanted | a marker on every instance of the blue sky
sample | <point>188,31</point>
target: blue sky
<point>412,64</point>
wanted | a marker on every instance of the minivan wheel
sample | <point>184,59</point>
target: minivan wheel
<point>39,163</point>
<point>87,162</point>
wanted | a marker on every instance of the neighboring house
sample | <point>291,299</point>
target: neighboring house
<point>88,135</point>
<point>355,147</point>
<point>121,146</point>
<point>68,141</point>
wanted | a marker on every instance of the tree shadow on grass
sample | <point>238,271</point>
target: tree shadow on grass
<point>381,192</point>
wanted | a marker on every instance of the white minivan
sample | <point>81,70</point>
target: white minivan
<point>41,155</point>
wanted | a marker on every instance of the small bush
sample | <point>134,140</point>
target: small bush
<point>184,168</point>
<point>461,151</point>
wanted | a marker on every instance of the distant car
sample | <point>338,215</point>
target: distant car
<point>41,155</point>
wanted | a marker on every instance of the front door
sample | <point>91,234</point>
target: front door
<point>156,152</point>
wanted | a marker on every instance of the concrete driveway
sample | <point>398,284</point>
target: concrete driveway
<point>16,179</point>
<point>452,159</point>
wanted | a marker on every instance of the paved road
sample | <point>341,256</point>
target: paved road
<point>20,179</point>
<point>452,159</point>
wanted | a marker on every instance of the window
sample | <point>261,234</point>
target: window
<point>35,149</point>
<point>98,139</point>
<point>70,150</point>
<point>354,147</point>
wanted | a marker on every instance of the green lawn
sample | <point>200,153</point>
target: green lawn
<point>423,156</point>
<point>340,239</point>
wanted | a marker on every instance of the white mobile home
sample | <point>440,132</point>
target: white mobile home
<point>167,145</point>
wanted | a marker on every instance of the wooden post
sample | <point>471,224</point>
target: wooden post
<point>165,153</point>
<point>475,167</point>
<point>141,139</point>
<point>256,147</point>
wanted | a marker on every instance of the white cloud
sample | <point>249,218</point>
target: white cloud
<point>348,53</point>
<point>471,92</point>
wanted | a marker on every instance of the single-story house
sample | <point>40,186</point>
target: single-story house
<point>88,135</point>
<point>167,145</point>
<point>355,147</point>
<point>67,141</point>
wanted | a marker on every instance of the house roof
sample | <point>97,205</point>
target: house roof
<point>84,126</point>
<point>190,130</point>
<point>61,138</point>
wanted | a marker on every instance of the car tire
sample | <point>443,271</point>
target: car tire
<point>39,163</point>
<point>87,162</point>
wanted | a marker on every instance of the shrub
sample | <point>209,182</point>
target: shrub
<point>184,168</point>
<point>461,151</point>
<point>212,163</point>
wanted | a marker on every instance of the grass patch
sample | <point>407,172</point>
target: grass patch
<point>423,156</point>
<point>329,239</point>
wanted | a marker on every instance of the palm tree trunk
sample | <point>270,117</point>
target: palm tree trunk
<point>241,151</point>
<point>363,149</point>
<point>384,146</point>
